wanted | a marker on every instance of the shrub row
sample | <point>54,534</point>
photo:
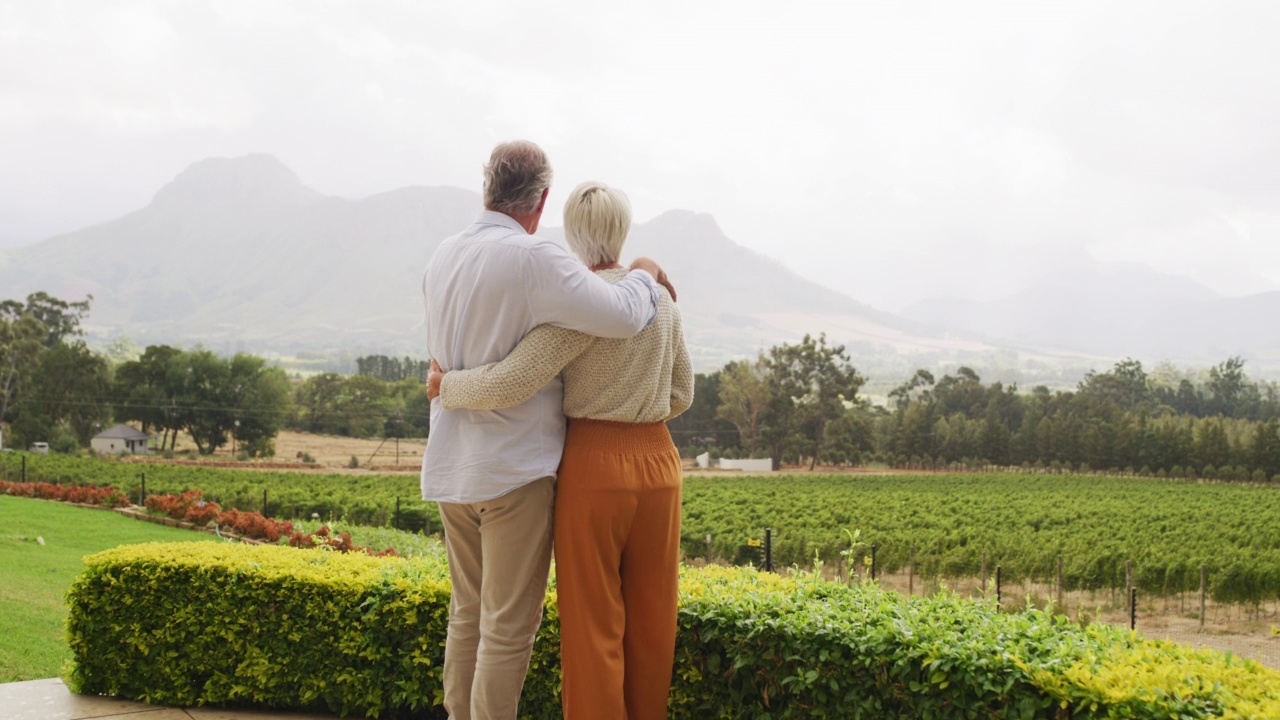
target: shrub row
<point>197,624</point>
<point>191,507</point>
<point>87,495</point>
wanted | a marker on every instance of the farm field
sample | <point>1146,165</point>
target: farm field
<point>34,576</point>
<point>333,452</point>
<point>1164,530</point>
<point>1022,522</point>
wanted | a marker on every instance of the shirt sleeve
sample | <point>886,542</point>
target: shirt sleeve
<point>563,292</point>
<point>681,369</point>
<point>538,358</point>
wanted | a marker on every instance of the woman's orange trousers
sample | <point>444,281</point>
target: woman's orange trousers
<point>617,549</point>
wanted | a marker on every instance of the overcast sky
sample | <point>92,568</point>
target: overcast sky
<point>890,150</point>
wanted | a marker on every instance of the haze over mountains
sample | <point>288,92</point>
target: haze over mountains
<point>240,254</point>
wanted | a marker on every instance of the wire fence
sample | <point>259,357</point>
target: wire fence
<point>1247,630</point>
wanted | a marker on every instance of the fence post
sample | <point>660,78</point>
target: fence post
<point>911,576</point>
<point>1204,587</point>
<point>1128,579</point>
<point>998,587</point>
<point>984,574</point>
<point>1061,605</point>
<point>142,494</point>
<point>873,562</point>
<point>397,516</point>
<point>24,468</point>
<point>264,502</point>
<point>768,549</point>
<point>1133,608</point>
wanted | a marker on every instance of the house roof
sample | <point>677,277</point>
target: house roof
<point>122,432</point>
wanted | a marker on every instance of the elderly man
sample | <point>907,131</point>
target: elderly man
<point>493,472</point>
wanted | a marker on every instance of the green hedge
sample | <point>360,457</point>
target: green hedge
<point>197,624</point>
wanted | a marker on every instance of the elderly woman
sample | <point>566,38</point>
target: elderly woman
<point>617,528</point>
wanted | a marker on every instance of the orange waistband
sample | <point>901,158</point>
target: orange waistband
<point>619,436</point>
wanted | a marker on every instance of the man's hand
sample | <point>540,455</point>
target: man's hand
<point>433,380</point>
<point>651,266</point>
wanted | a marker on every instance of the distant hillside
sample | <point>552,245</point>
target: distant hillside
<point>238,253</point>
<point>1120,309</point>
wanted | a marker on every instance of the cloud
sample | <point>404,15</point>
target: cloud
<point>889,150</point>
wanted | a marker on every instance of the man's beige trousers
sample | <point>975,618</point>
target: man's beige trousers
<point>499,556</point>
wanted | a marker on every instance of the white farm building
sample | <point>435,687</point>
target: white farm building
<point>120,439</point>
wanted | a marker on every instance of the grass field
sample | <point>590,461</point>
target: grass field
<point>34,576</point>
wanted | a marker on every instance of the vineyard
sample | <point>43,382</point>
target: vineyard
<point>359,499</point>
<point>1022,522</point>
<point>1165,529</point>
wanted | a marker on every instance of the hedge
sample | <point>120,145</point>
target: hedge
<point>271,626</point>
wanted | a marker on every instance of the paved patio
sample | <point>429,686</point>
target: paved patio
<point>50,700</point>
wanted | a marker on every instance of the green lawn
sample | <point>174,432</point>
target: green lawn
<point>34,577</point>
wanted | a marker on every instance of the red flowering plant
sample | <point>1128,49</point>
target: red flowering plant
<point>175,506</point>
<point>322,537</point>
<point>254,525</point>
<point>106,496</point>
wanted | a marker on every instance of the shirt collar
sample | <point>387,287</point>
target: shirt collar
<point>490,217</point>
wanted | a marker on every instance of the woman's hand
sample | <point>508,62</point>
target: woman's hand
<point>433,380</point>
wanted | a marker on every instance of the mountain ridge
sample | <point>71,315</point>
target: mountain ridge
<point>240,252</point>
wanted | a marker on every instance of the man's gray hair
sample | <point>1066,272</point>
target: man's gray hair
<point>597,219</point>
<point>517,173</point>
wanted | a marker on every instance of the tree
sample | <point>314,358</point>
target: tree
<point>963,393</point>
<point>1227,386</point>
<point>995,438</point>
<point>27,331</point>
<point>849,437</point>
<point>316,400</point>
<point>812,385</point>
<point>145,391</point>
<point>261,398</point>
<point>64,397</point>
<point>745,396</point>
<point>1211,444</point>
<point>701,427</point>
<point>20,348</point>
<point>205,401</point>
<point>902,396</point>
<point>61,319</point>
<point>1126,385</point>
<point>389,369</point>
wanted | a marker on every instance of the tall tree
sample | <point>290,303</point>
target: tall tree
<point>813,384</point>
<point>143,391</point>
<point>1227,384</point>
<point>260,403</point>
<point>66,397</point>
<point>61,319</point>
<point>20,347</point>
<point>744,395</point>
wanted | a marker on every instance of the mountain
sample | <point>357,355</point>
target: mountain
<point>240,254</point>
<point>1118,309</point>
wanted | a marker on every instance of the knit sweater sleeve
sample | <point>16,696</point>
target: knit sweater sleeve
<point>681,369</point>
<point>533,363</point>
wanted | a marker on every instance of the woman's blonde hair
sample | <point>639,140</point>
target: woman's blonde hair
<point>597,219</point>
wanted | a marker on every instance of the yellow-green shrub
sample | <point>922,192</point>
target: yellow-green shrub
<point>283,627</point>
<point>265,625</point>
